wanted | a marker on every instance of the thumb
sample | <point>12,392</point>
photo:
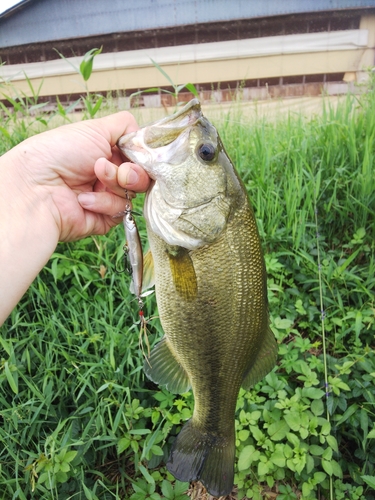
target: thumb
<point>112,127</point>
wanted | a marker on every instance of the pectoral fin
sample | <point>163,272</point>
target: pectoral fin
<point>183,273</point>
<point>148,271</point>
<point>148,280</point>
<point>162,367</point>
<point>264,362</point>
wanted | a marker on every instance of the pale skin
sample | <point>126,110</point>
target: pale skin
<point>61,185</point>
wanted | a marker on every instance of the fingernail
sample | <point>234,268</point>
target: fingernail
<point>86,199</point>
<point>110,170</point>
<point>133,177</point>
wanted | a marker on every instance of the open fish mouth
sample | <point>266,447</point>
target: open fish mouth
<point>161,132</point>
<point>166,130</point>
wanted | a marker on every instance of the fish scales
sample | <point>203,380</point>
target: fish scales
<point>210,284</point>
<point>224,310</point>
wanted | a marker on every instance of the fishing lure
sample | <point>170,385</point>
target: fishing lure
<point>133,249</point>
<point>134,254</point>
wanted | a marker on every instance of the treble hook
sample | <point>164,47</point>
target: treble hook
<point>127,267</point>
<point>126,213</point>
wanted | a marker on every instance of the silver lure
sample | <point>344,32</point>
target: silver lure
<point>134,250</point>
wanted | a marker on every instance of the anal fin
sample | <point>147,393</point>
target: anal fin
<point>163,368</point>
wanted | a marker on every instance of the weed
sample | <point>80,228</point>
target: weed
<point>176,88</point>
<point>78,418</point>
<point>91,102</point>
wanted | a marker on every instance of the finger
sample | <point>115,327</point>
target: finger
<point>132,176</point>
<point>117,157</point>
<point>104,203</point>
<point>99,187</point>
<point>106,173</point>
<point>116,125</point>
<point>128,176</point>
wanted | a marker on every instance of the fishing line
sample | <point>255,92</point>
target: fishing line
<point>322,319</point>
<point>322,313</point>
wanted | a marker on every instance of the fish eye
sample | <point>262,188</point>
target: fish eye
<point>207,152</point>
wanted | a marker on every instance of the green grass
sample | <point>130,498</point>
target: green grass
<point>79,420</point>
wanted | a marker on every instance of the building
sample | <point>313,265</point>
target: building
<point>268,48</point>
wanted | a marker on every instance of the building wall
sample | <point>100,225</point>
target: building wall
<point>38,21</point>
<point>347,52</point>
<point>197,33</point>
<point>226,51</point>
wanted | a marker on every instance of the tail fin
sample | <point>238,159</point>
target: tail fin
<point>205,457</point>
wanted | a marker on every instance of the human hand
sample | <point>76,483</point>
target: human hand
<point>79,173</point>
<point>64,184</point>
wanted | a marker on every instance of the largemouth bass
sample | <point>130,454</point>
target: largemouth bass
<point>210,284</point>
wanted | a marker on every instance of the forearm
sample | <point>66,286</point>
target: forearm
<point>28,233</point>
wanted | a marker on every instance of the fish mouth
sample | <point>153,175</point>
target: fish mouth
<point>161,132</point>
<point>164,131</point>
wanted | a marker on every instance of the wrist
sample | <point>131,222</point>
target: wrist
<point>30,204</point>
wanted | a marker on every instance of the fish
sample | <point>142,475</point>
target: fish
<point>210,286</point>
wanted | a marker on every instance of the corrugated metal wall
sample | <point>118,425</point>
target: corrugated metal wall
<point>44,20</point>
